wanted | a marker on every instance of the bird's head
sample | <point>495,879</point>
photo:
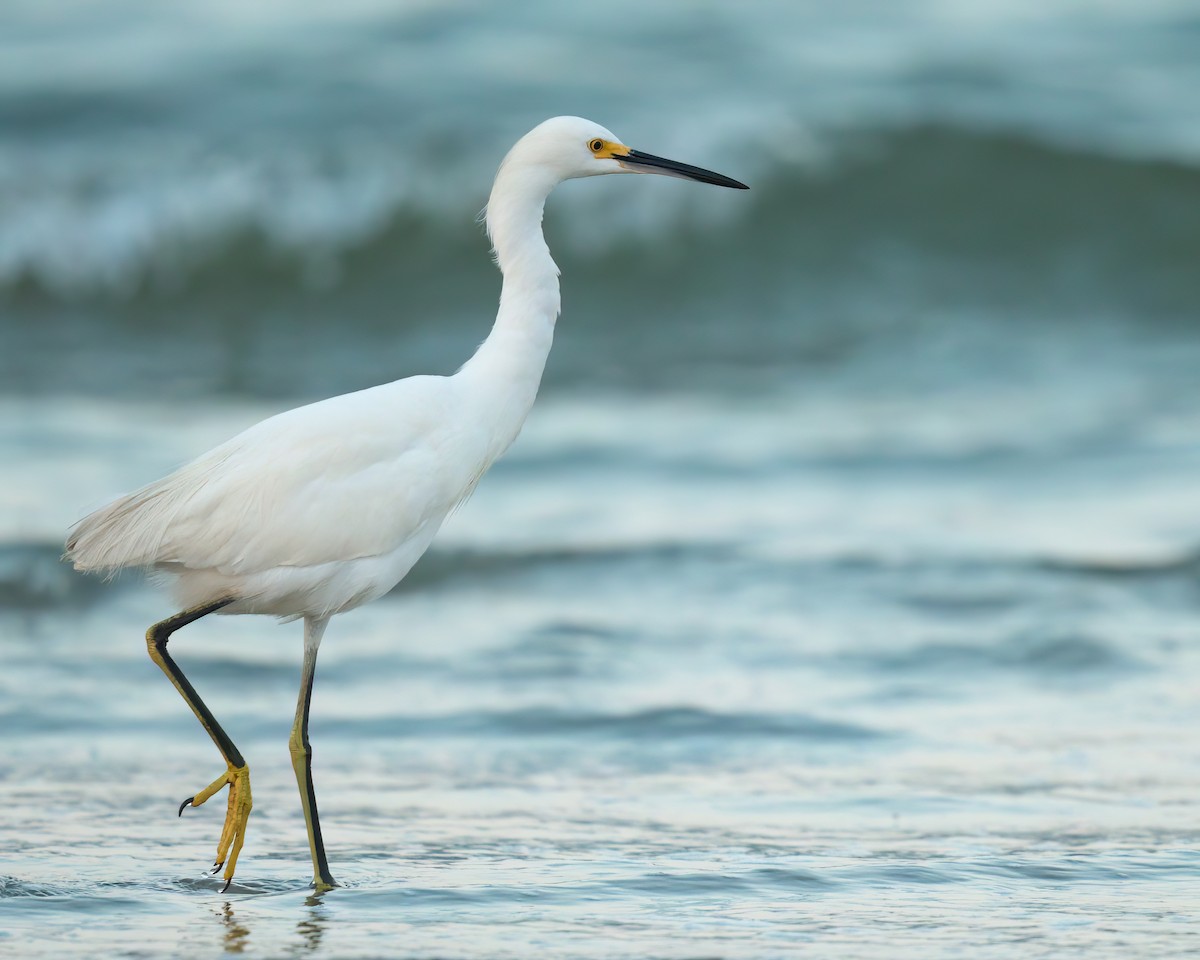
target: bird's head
<point>569,147</point>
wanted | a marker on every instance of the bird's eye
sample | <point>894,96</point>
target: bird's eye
<point>596,145</point>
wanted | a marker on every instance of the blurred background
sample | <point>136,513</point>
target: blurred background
<point>843,587</point>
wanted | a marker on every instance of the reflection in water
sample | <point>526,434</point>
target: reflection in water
<point>312,927</point>
<point>236,935</point>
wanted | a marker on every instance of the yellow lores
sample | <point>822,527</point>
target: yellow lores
<point>607,149</point>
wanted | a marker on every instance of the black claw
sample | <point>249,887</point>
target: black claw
<point>227,883</point>
<point>185,803</point>
<point>216,867</point>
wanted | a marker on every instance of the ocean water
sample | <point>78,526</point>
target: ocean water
<point>841,597</point>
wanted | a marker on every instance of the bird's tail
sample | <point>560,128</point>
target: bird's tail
<point>129,532</point>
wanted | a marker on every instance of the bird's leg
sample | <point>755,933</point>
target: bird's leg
<point>237,774</point>
<point>302,754</point>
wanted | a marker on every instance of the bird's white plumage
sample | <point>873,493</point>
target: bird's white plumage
<point>343,482</point>
<point>327,506</point>
<point>322,508</point>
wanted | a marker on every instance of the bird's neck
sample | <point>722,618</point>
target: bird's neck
<point>507,368</point>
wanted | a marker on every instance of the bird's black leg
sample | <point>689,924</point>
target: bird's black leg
<point>301,752</point>
<point>237,774</point>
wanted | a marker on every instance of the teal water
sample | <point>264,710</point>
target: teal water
<point>841,596</point>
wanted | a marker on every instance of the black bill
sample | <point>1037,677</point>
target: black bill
<point>647,163</point>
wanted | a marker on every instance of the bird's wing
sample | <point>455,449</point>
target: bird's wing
<point>349,477</point>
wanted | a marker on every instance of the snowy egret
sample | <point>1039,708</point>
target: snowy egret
<point>322,508</point>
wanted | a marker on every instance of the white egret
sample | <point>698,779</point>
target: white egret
<point>322,508</point>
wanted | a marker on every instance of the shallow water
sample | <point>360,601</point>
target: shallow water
<point>702,703</point>
<point>841,596</point>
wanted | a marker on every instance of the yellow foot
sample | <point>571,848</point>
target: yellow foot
<point>236,816</point>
